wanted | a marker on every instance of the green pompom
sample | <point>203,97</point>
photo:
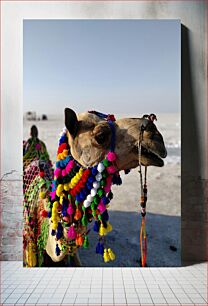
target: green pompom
<point>84,220</point>
<point>106,163</point>
<point>102,182</point>
<point>86,242</point>
<point>96,200</point>
<point>104,174</point>
<point>100,192</point>
<point>92,206</point>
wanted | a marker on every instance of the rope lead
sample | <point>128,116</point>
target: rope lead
<point>143,200</point>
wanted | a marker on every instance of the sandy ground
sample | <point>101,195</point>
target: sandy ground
<point>163,205</point>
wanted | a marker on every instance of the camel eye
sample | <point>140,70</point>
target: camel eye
<point>100,138</point>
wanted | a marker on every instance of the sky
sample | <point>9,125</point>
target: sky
<point>113,66</point>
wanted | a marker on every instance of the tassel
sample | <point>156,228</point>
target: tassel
<point>101,251</point>
<point>79,240</point>
<point>42,195</point>
<point>109,227</point>
<point>58,251</point>
<point>96,226</point>
<point>70,210</point>
<point>53,232</point>
<point>111,254</point>
<point>106,256</point>
<point>102,230</point>
<point>101,207</point>
<point>84,220</point>
<point>72,233</point>
<point>105,215</point>
<point>78,214</point>
<point>59,233</point>
<point>100,248</point>
<point>86,242</point>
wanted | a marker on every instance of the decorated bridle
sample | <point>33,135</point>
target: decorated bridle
<point>91,189</point>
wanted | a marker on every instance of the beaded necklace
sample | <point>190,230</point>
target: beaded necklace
<point>80,195</point>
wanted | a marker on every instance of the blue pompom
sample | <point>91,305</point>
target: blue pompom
<point>49,214</point>
<point>94,171</point>
<point>53,232</point>
<point>58,251</point>
<point>96,226</point>
<point>59,233</point>
<point>90,179</point>
<point>57,164</point>
<point>89,185</point>
<point>78,198</point>
<point>62,139</point>
<point>105,200</point>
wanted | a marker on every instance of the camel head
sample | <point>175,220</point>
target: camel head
<point>89,138</point>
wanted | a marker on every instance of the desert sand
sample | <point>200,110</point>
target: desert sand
<point>163,205</point>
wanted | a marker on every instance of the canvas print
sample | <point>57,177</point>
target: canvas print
<point>101,143</point>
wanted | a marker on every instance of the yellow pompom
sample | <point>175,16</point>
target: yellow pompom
<point>66,187</point>
<point>111,254</point>
<point>65,153</point>
<point>58,193</point>
<point>60,187</point>
<point>61,198</point>
<point>102,230</point>
<point>56,204</point>
<point>109,227</point>
<point>59,156</point>
<point>106,256</point>
<point>42,195</point>
<point>80,171</point>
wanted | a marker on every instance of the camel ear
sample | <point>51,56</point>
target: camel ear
<point>71,121</point>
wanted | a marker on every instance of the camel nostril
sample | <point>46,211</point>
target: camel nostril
<point>144,124</point>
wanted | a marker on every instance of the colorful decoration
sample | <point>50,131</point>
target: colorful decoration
<point>79,195</point>
<point>37,175</point>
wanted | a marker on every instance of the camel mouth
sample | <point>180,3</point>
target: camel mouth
<point>151,157</point>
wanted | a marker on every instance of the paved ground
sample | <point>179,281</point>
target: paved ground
<point>99,286</point>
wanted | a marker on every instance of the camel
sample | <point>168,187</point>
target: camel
<point>89,139</point>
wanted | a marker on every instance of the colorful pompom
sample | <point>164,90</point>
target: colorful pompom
<point>111,156</point>
<point>71,233</point>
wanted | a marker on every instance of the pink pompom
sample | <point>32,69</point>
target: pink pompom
<point>57,172</point>
<point>53,195</point>
<point>111,156</point>
<point>69,166</point>
<point>111,169</point>
<point>71,233</point>
<point>101,207</point>
<point>70,210</point>
<point>63,172</point>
